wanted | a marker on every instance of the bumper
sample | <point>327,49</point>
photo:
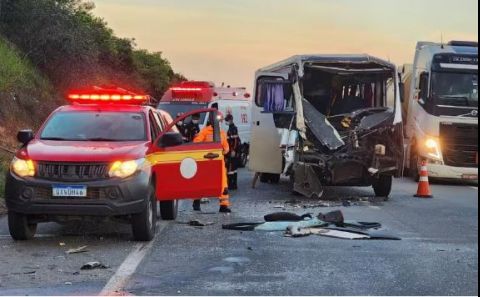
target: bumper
<point>113,197</point>
<point>449,172</point>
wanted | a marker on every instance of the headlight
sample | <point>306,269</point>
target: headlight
<point>23,168</point>
<point>432,146</point>
<point>123,169</point>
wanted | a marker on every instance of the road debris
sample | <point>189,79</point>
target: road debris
<point>286,216</point>
<point>331,224</point>
<point>93,265</point>
<point>197,223</point>
<point>82,249</point>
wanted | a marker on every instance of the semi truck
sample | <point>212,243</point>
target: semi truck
<point>440,110</point>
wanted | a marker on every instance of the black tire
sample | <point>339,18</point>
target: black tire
<point>264,178</point>
<point>383,186</point>
<point>169,210</point>
<point>19,227</point>
<point>275,178</point>
<point>414,161</point>
<point>144,223</point>
<point>243,159</point>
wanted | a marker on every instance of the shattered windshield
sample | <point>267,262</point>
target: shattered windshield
<point>455,89</point>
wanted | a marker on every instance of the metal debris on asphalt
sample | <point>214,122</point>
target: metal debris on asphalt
<point>93,265</point>
<point>82,249</point>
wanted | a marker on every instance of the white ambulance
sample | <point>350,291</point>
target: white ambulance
<point>190,95</point>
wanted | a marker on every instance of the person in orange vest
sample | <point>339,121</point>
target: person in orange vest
<point>206,135</point>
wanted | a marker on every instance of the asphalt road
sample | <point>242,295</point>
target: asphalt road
<point>438,253</point>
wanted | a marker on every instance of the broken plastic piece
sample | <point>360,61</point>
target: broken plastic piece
<point>93,265</point>
<point>286,216</point>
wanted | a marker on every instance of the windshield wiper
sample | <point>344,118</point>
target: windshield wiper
<point>101,139</point>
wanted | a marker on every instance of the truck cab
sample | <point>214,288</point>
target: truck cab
<point>440,109</point>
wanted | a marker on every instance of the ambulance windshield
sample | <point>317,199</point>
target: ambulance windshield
<point>174,109</point>
<point>95,126</point>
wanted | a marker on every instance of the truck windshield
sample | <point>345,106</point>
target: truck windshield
<point>95,126</point>
<point>455,89</point>
<point>176,108</point>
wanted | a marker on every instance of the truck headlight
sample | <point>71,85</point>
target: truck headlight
<point>432,146</point>
<point>22,168</point>
<point>123,169</point>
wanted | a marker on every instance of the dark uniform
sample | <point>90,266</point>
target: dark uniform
<point>232,160</point>
<point>191,130</point>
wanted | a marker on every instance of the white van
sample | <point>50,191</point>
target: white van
<point>190,95</point>
<point>328,120</point>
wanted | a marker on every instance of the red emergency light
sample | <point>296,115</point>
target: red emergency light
<point>106,95</point>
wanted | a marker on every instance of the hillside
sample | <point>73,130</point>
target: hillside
<point>42,57</point>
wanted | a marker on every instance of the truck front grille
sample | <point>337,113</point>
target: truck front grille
<point>72,172</point>
<point>459,144</point>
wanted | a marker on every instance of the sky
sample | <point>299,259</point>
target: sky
<point>228,40</point>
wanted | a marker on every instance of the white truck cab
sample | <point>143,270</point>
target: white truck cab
<point>440,110</point>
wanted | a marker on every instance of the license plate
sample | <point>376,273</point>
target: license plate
<point>470,176</point>
<point>69,191</point>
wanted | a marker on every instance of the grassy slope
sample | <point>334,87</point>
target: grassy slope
<point>26,98</point>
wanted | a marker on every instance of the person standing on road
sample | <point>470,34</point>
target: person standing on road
<point>206,135</point>
<point>232,159</point>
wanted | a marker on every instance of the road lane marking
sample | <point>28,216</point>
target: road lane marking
<point>123,274</point>
<point>3,236</point>
<point>374,207</point>
<point>475,188</point>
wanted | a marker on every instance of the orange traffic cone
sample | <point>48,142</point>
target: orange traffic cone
<point>424,185</point>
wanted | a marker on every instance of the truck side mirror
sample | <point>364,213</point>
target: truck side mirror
<point>170,139</point>
<point>24,136</point>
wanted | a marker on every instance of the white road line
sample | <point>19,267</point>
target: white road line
<point>374,207</point>
<point>3,236</point>
<point>121,277</point>
<point>475,188</point>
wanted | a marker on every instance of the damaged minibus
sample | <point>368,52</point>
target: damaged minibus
<point>328,120</point>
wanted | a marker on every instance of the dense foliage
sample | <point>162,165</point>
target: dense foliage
<point>74,48</point>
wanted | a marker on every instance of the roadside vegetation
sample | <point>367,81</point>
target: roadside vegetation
<point>48,47</point>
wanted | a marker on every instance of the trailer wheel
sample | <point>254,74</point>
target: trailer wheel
<point>19,227</point>
<point>383,186</point>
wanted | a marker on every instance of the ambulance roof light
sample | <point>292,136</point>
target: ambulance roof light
<point>106,95</point>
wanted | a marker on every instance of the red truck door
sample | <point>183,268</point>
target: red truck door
<point>187,170</point>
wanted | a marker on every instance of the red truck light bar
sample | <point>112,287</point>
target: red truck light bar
<point>106,95</point>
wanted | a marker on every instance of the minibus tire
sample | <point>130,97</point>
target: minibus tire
<point>19,227</point>
<point>383,186</point>
<point>144,223</point>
